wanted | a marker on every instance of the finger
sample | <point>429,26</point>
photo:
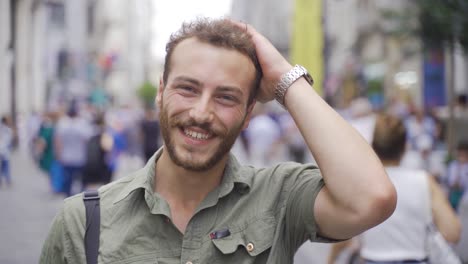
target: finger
<point>245,26</point>
<point>238,23</point>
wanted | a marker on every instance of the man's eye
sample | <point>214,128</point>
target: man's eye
<point>186,88</point>
<point>227,99</point>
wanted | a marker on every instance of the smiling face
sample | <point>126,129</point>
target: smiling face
<point>204,103</point>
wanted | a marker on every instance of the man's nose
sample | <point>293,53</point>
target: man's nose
<point>202,110</point>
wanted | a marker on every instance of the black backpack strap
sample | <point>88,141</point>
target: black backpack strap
<point>93,222</point>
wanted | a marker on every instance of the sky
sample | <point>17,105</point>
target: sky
<point>170,14</point>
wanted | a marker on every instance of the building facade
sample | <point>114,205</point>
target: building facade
<point>55,51</point>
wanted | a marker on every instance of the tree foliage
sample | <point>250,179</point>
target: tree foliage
<point>437,22</point>
<point>443,22</point>
<point>147,92</point>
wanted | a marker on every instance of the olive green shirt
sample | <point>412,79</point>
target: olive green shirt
<point>256,215</point>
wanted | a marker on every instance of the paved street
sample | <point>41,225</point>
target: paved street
<point>28,208</point>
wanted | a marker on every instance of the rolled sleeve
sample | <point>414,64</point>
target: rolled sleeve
<point>300,216</point>
<point>300,219</point>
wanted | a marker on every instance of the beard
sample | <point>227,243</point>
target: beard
<point>191,162</point>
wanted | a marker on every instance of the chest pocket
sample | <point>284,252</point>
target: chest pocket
<point>254,238</point>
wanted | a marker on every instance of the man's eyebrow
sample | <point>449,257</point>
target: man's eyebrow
<point>187,79</point>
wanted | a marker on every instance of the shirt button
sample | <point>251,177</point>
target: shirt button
<point>250,247</point>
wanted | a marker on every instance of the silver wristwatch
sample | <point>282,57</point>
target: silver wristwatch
<point>288,79</point>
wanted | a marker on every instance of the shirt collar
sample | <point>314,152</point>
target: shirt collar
<point>143,179</point>
<point>235,177</point>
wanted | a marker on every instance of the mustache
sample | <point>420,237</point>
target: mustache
<point>192,123</point>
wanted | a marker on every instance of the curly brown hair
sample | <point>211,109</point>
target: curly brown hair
<point>220,33</point>
<point>389,139</point>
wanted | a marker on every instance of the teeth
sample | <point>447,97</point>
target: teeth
<point>196,135</point>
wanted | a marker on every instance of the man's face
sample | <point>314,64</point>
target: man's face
<point>204,103</point>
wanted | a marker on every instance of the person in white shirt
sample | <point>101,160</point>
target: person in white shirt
<point>401,238</point>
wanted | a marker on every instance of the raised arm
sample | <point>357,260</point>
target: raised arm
<point>444,216</point>
<point>357,194</point>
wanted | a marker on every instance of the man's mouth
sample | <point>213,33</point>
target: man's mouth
<point>196,134</point>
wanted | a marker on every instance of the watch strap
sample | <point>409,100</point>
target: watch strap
<point>288,79</point>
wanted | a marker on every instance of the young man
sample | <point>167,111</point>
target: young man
<point>194,203</point>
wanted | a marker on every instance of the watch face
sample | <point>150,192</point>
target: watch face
<point>306,74</point>
<point>309,78</point>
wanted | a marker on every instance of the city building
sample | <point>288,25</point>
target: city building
<point>54,51</point>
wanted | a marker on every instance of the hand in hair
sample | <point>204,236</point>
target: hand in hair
<point>273,64</point>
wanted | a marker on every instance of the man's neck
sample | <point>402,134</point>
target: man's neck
<point>184,187</point>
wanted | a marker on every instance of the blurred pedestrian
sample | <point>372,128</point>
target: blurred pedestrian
<point>194,203</point>
<point>43,143</point>
<point>32,127</point>
<point>421,133</point>
<point>44,151</point>
<point>265,134</point>
<point>457,175</point>
<point>438,157</point>
<point>6,142</point>
<point>150,133</point>
<point>292,139</point>
<point>70,137</point>
<point>421,201</point>
<point>97,169</point>
<point>362,117</point>
<point>461,106</point>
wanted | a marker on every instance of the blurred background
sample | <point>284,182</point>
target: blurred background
<point>73,70</point>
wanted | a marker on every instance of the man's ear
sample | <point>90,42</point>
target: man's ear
<point>249,114</point>
<point>160,92</point>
